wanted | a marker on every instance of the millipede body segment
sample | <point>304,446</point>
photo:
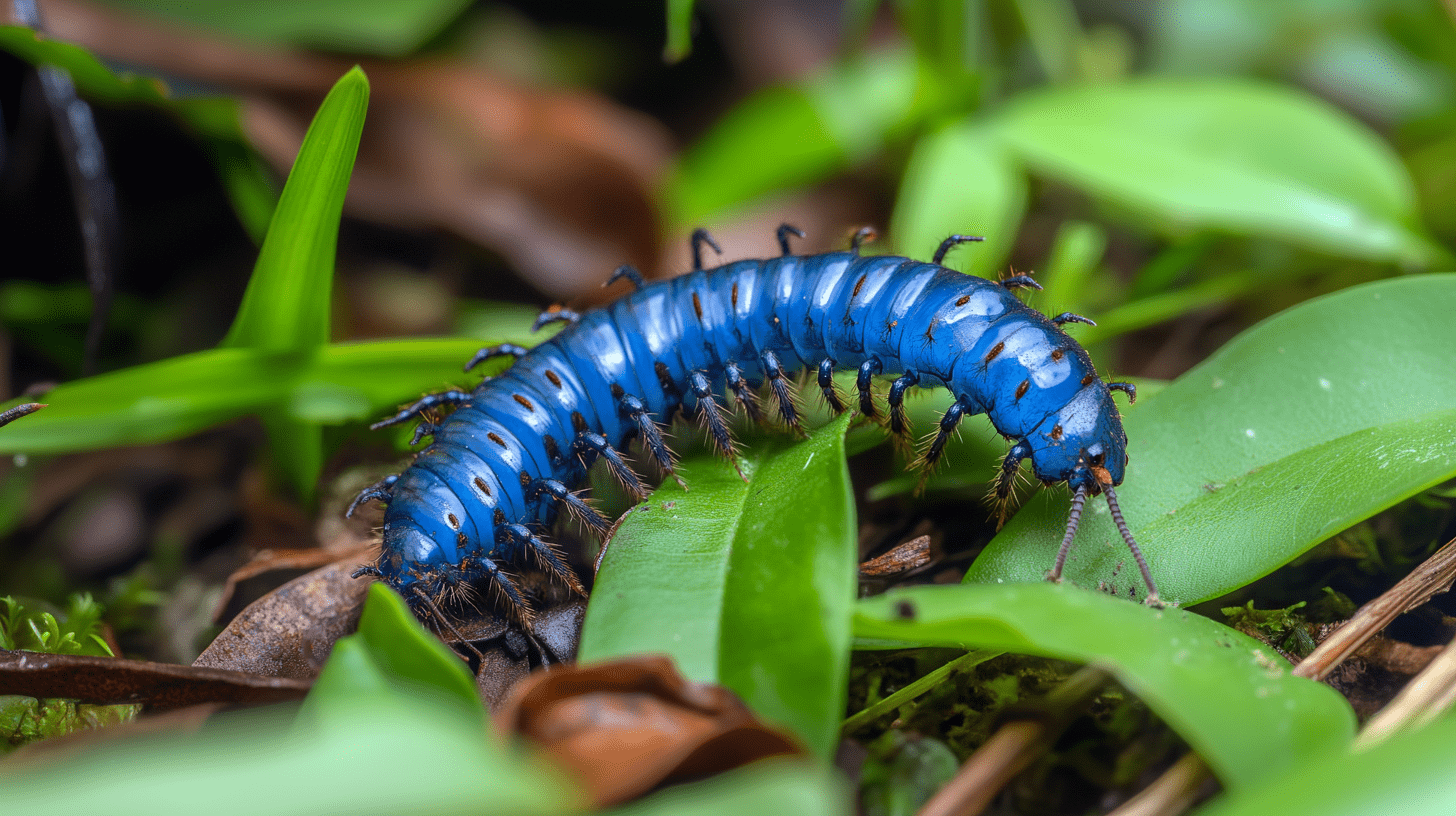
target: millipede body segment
<point>504,462</point>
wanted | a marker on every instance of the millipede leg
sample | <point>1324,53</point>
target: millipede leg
<point>711,417</point>
<point>629,272</point>
<point>950,243</point>
<point>555,314</point>
<point>490,352</point>
<point>860,237</point>
<point>863,382</point>
<point>948,424</point>
<point>779,384</point>
<point>1005,484</point>
<point>899,425</point>
<point>1125,387</point>
<point>1021,282</point>
<point>826,385</point>
<point>632,408</point>
<point>381,490</point>
<point>544,552</point>
<point>579,508</point>
<point>502,583</point>
<point>1137,554</point>
<point>444,398</point>
<point>592,442</point>
<point>1069,317</point>
<point>783,233</point>
<point>742,392</point>
<point>700,237</point>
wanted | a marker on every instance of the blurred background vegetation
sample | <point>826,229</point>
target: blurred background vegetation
<point>1178,171</point>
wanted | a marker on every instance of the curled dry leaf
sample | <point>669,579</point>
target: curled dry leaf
<point>110,680</point>
<point>628,726</point>
<point>559,182</point>
<point>290,631</point>
<point>910,555</point>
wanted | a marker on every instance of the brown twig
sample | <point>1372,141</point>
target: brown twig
<point>1172,792</point>
<point>1013,747</point>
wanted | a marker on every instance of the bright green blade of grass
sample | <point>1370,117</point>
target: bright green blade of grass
<point>1232,698</point>
<point>286,306</point>
<point>748,584</point>
<point>171,398</point>
<point>1311,421</point>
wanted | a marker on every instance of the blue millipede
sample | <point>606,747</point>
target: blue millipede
<point>504,461</point>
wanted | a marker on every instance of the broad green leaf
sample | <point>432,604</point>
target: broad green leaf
<point>787,137</point>
<point>748,584</point>
<point>414,758</point>
<point>1317,418</point>
<point>1233,699</point>
<point>1409,774</point>
<point>1244,157</point>
<point>769,786</point>
<point>960,181</point>
<point>393,656</point>
<point>384,28</point>
<point>286,306</point>
<point>172,398</point>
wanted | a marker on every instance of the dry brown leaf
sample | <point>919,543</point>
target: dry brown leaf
<point>628,726</point>
<point>290,631</point>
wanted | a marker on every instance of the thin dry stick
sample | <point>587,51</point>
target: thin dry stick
<point>1013,747</point>
<point>1172,792</point>
<point>1427,695</point>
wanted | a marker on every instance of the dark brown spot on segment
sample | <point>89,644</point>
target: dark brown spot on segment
<point>735,295</point>
<point>1022,389</point>
<point>454,522</point>
<point>1057,432</point>
<point>525,479</point>
<point>551,449</point>
<point>858,285</point>
<point>578,422</point>
<point>1087,380</point>
<point>480,483</point>
<point>964,299</point>
<point>697,307</point>
<point>553,377</point>
<point>524,402</point>
<point>491,435</point>
<point>462,540</point>
<point>1057,355</point>
<point>995,350</point>
<point>500,516</point>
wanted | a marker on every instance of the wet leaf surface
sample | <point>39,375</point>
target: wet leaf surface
<point>626,726</point>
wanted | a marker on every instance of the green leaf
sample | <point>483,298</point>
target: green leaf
<point>679,31</point>
<point>418,758</point>
<point>747,584</point>
<point>769,786</point>
<point>1315,419</point>
<point>1227,154</point>
<point>93,80</point>
<point>172,398</point>
<point>392,655</point>
<point>960,180</point>
<point>1232,698</point>
<point>787,137</point>
<point>384,28</point>
<point>1409,774</point>
<point>286,306</point>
